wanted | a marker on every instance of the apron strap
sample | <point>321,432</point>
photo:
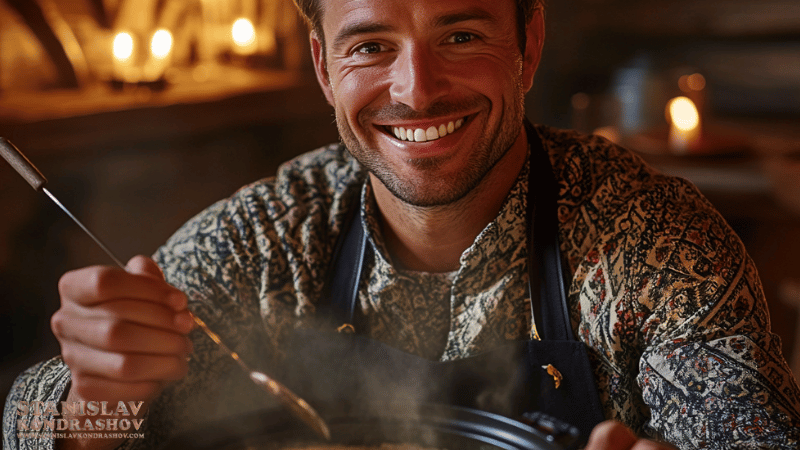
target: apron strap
<point>341,296</point>
<point>545,270</point>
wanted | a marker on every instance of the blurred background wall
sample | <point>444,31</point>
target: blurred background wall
<point>138,130</point>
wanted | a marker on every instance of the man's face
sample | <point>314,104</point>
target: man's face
<point>428,94</point>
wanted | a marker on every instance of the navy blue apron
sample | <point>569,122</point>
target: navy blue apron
<point>551,376</point>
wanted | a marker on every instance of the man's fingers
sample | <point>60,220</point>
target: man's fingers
<point>123,367</point>
<point>116,335</point>
<point>147,314</point>
<point>143,265</point>
<point>122,331</point>
<point>97,284</point>
<point>611,435</point>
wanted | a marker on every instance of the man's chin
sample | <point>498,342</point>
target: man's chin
<point>432,192</point>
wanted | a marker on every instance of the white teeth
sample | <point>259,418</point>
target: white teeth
<point>431,134</point>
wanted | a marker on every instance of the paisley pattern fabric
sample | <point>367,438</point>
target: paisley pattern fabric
<point>660,290</point>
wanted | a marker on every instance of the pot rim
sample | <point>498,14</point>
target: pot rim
<point>394,423</point>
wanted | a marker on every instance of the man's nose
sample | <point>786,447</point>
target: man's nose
<point>419,78</point>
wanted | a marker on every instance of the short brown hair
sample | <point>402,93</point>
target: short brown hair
<point>312,12</point>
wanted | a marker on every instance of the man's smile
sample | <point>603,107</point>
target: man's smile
<point>430,133</point>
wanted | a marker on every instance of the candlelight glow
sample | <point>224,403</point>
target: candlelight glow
<point>161,44</point>
<point>243,32</point>
<point>123,46</point>
<point>611,133</point>
<point>683,113</point>
<point>684,131</point>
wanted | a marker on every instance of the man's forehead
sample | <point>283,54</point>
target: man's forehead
<point>339,14</point>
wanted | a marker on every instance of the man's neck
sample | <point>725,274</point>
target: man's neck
<point>432,239</point>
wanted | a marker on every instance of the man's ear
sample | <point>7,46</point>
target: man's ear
<point>534,35</point>
<point>321,67</point>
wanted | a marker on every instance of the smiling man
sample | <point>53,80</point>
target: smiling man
<point>505,266</point>
<point>433,108</point>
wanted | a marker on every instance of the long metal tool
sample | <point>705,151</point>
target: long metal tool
<point>299,407</point>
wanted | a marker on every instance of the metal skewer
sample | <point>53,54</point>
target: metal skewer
<point>299,407</point>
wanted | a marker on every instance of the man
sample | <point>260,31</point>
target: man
<point>449,180</point>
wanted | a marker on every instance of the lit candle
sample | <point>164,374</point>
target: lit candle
<point>122,50</point>
<point>161,44</point>
<point>244,37</point>
<point>684,131</point>
<point>160,51</point>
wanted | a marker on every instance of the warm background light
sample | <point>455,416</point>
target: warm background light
<point>696,82</point>
<point>161,44</point>
<point>683,113</point>
<point>123,46</point>
<point>243,32</point>
<point>693,82</point>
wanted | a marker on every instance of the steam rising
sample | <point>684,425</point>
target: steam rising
<point>354,376</point>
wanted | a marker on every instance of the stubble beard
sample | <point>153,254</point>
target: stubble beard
<point>435,190</point>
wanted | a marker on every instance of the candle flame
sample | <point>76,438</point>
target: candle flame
<point>123,46</point>
<point>161,44</point>
<point>683,113</point>
<point>243,32</point>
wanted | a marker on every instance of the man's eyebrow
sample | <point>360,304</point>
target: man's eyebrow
<point>359,28</point>
<point>356,29</point>
<point>463,16</point>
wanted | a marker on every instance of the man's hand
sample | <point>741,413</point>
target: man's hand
<point>122,334</point>
<point>611,435</point>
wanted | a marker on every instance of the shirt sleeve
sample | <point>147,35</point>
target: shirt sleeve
<point>674,311</point>
<point>712,373</point>
<point>47,381</point>
<point>670,305</point>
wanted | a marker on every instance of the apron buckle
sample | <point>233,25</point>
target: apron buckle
<point>346,328</point>
<point>553,372</point>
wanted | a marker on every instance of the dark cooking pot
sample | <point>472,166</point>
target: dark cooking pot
<point>431,425</point>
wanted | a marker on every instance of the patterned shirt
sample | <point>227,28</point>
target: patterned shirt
<point>660,290</point>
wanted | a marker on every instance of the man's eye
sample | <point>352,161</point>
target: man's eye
<point>369,47</point>
<point>461,38</point>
